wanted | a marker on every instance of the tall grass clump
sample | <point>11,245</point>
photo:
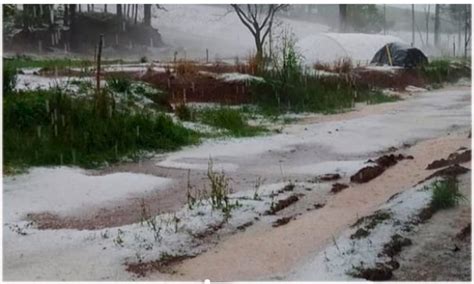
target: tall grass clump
<point>290,88</point>
<point>445,70</point>
<point>446,194</point>
<point>229,119</point>
<point>52,128</point>
<point>9,79</point>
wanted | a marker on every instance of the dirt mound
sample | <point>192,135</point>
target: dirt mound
<point>366,174</point>
<point>453,158</point>
<point>282,204</point>
<point>382,163</point>
<point>282,221</point>
<point>164,265</point>
<point>451,171</point>
<point>328,177</point>
<point>337,187</point>
<point>380,272</point>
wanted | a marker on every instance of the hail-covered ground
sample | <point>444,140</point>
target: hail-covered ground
<point>247,236</point>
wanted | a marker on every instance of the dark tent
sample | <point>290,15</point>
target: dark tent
<point>398,54</point>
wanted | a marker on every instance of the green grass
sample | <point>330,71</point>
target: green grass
<point>445,70</point>
<point>306,93</point>
<point>229,119</point>
<point>446,194</point>
<point>51,128</point>
<point>376,97</point>
<point>63,62</point>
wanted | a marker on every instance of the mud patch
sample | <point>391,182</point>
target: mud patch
<point>164,265</point>
<point>338,187</point>
<point>282,221</point>
<point>369,222</point>
<point>381,272</point>
<point>395,246</point>
<point>282,204</point>
<point>465,233</point>
<point>244,226</point>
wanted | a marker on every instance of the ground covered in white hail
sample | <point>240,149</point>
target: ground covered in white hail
<point>341,259</point>
<point>34,254</point>
<point>425,116</point>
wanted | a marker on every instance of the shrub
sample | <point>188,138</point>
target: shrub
<point>184,113</point>
<point>120,84</point>
<point>9,79</point>
<point>445,194</point>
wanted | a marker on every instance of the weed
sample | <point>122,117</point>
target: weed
<point>118,239</point>
<point>446,194</point>
<point>120,84</point>
<point>220,190</point>
<point>184,67</point>
<point>183,112</point>
<point>258,183</point>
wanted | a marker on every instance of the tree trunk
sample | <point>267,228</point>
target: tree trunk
<point>436,26</point>
<point>66,15</point>
<point>72,25</point>
<point>427,24</point>
<point>147,14</point>
<point>119,10</point>
<point>342,17</point>
<point>136,14</point>
<point>412,24</point>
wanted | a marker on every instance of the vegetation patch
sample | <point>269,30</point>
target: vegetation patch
<point>231,120</point>
<point>446,194</point>
<point>52,128</point>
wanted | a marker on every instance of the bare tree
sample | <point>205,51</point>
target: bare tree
<point>259,21</point>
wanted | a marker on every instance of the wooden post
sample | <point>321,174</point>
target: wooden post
<point>207,55</point>
<point>99,55</point>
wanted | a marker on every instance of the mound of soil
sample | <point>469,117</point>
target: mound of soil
<point>163,265</point>
<point>368,173</point>
<point>282,204</point>
<point>453,158</point>
<point>382,163</point>
<point>451,171</point>
<point>337,187</point>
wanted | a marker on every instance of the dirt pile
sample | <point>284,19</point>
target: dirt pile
<point>453,158</point>
<point>381,164</point>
